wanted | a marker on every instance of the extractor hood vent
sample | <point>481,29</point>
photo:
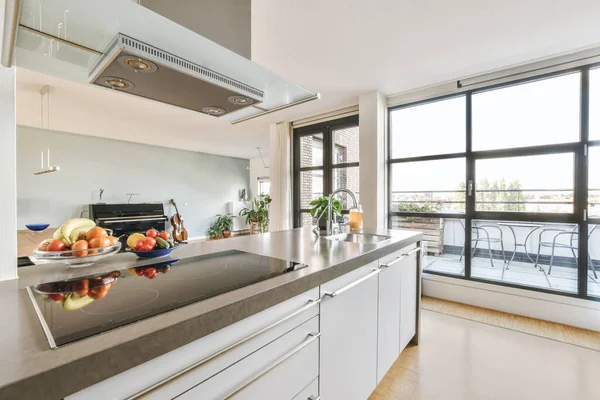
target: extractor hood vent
<point>134,67</point>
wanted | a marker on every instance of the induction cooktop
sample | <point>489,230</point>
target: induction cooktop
<point>74,309</point>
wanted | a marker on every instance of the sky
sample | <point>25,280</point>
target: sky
<point>537,113</point>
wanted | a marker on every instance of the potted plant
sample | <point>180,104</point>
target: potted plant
<point>257,212</point>
<point>214,231</point>
<point>225,222</point>
<point>319,206</point>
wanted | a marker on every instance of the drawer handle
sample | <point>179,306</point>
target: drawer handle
<point>351,285</point>
<point>314,398</point>
<point>196,365</point>
<point>259,374</point>
<point>400,258</point>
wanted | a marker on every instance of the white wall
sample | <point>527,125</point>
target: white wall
<point>257,170</point>
<point>204,182</point>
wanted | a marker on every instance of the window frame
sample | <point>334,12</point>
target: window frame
<point>579,149</point>
<point>328,167</point>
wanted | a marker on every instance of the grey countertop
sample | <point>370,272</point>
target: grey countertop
<point>30,369</point>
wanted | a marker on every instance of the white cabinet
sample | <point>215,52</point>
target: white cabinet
<point>349,335</point>
<point>409,298</point>
<point>397,306</point>
<point>230,344</point>
<point>311,392</point>
<point>277,371</point>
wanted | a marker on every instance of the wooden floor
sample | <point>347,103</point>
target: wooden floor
<point>545,329</point>
<point>460,358</point>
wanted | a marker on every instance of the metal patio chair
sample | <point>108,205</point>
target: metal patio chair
<point>553,244</point>
<point>481,234</point>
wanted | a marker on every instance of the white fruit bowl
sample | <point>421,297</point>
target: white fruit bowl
<point>68,257</point>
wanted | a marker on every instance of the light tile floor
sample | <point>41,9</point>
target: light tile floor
<point>562,278</point>
<point>459,359</point>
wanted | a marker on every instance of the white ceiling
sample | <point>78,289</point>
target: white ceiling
<point>340,48</point>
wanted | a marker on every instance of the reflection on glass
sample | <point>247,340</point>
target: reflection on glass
<point>530,114</point>
<point>311,187</point>
<point>525,184</point>
<point>429,186</point>
<point>442,245</point>
<point>311,150</point>
<point>595,104</point>
<point>345,145</point>
<point>593,283</point>
<point>535,254</point>
<point>594,182</point>
<point>346,178</point>
<point>427,129</point>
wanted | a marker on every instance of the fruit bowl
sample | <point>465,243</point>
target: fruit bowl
<point>73,257</point>
<point>153,253</point>
<point>37,227</point>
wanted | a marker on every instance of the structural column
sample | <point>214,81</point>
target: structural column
<point>8,170</point>
<point>372,108</point>
<point>280,162</point>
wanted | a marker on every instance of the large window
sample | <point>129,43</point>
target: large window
<point>503,181</point>
<point>325,159</point>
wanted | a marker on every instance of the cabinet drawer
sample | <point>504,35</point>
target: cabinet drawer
<point>311,392</point>
<point>400,255</point>
<point>279,370</point>
<point>262,328</point>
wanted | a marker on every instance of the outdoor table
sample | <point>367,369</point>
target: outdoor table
<point>512,226</point>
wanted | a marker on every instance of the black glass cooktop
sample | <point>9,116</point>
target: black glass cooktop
<point>78,308</point>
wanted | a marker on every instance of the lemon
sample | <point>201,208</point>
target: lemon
<point>133,238</point>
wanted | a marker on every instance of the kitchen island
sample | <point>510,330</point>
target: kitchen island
<point>354,292</point>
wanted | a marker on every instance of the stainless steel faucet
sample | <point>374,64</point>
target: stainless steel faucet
<point>329,209</point>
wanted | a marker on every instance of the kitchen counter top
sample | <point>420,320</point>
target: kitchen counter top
<point>30,369</point>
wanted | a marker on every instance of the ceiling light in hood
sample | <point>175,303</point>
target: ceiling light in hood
<point>216,111</point>
<point>137,64</point>
<point>240,100</point>
<point>118,83</point>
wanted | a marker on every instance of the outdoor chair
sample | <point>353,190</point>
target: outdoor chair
<point>573,236</point>
<point>481,234</point>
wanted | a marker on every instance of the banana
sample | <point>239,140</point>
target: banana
<point>73,302</point>
<point>76,233</point>
<point>69,226</point>
<point>57,235</point>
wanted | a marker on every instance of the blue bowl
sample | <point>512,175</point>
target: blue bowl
<point>37,227</point>
<point>154,253</point>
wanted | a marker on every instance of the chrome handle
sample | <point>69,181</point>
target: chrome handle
<point>259,374</point>
<point>413,251</point>
<point>470,188</point>
<point>351,285</point>
<point>313,397</point>
<point>400,258</point>
<point>219,353</point>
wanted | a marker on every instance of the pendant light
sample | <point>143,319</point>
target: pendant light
<point>45,94</point>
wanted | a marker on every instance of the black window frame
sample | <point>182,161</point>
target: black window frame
<point>328,167</point>
<point>580,195</point>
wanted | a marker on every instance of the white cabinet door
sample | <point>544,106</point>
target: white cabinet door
<point>311,392</point>
<point>349,335</point>
<point>280,370</point>
<point>388,323</point>
<point>408,299</point>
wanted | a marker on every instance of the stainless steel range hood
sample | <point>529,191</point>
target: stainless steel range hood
<point>104,43</point>
<point>131,66</point>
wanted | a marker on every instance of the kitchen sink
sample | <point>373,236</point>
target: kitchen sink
<point>358,238</point>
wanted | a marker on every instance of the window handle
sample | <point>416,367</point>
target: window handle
<point>470,187</point>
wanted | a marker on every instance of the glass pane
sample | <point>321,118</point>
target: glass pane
<point>311,150</point>
<point>593,261</point>
<point>306,219</point>
<point>429,186</point>
<point>345,145</point>
<point>507,251</point>
<point>530,114</point>
<point>443,242</point>
<point>346,178</point>
<point>311,187</point>
<point>594,182</point>
<point>264,187</point>
<point>429,129</point>
<point>526,184</point>
<point>595,104</point>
